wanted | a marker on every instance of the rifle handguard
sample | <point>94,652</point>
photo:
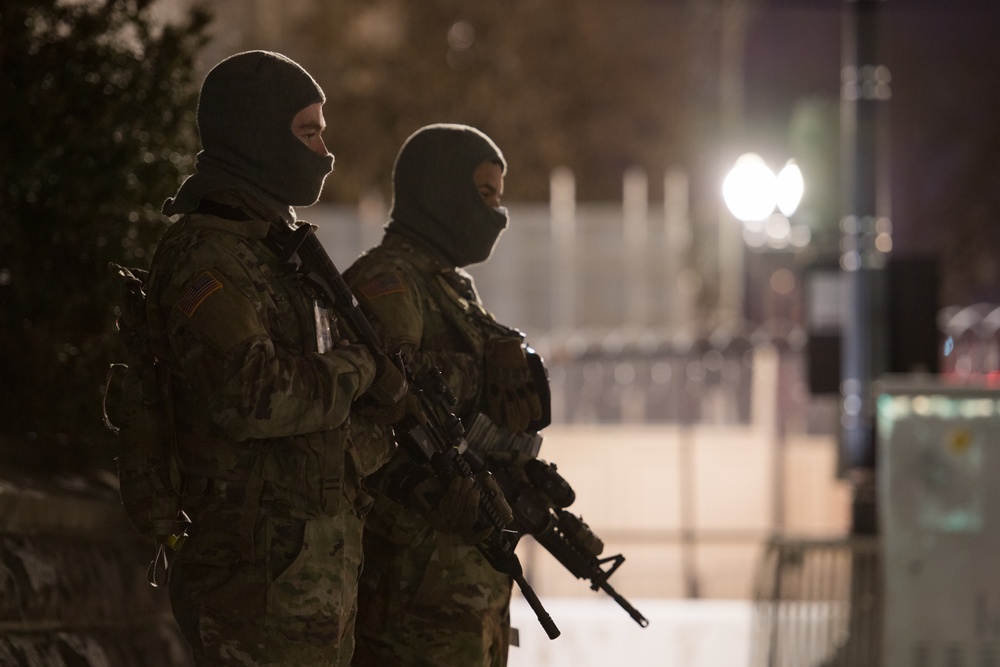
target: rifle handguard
<point>492,494</point>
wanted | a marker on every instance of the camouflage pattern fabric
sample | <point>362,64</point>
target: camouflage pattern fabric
<point>425,597</point>
<point>293,605</point>
<point>273,458</point>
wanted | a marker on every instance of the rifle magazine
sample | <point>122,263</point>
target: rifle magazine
<point>483,435</point>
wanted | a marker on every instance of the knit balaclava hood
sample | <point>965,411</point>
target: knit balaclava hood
<point>435,199</point>
<point>245,113</point>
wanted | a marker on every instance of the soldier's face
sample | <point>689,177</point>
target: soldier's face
<point>488,178</point>
<point>308,126</point>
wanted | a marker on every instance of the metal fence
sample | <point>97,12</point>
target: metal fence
<point>657,377</point>
<point>817,603</point>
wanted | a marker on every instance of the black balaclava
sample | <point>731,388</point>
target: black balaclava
<point>245,113</point>
<point>435,199</point>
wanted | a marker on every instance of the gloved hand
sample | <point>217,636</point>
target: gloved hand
<point>528,471</point>
<point>454,509</point>
<point>511,396</point>
<point>383,402</point>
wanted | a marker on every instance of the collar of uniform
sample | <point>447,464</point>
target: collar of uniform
<point>259,216</point>
<point>424,260</point>
<point>418,254</point>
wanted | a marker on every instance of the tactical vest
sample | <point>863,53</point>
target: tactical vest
<point>454,297</point>
<point>468,315</point>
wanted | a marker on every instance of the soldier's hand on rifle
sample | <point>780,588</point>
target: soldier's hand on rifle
<point>383,402</point>
<point>453,509</point>
<point>520,470</point>
<point>512,399</point>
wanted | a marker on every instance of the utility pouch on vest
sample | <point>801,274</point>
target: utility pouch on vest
<point>483,435</point>
<point>477,324</point>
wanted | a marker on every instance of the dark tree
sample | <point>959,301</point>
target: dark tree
<point>98,128</point>
<point>597,87</point>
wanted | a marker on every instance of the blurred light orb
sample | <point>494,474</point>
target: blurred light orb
<point>800,236</point>
<point>783,281</point>
<point>461,35</point>
<point>750,189</point>
<point>777,227</point>
<point>790,188</point>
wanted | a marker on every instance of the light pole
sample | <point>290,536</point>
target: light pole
<point>865,243</point>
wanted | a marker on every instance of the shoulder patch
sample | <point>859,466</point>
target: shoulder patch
<point>382,286</point>
<point>198,290</point>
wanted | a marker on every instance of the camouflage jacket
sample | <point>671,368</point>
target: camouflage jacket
<point>425,597</point>
<point>264,380</point>
<point>429,311</point>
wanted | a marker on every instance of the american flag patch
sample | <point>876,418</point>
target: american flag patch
<point>382,286</point>
<point>199,290</point>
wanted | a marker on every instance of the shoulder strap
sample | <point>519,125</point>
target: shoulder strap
<point>132,326</point>
<point>210,207</point>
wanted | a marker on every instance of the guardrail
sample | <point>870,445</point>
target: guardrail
<point>818,603</point>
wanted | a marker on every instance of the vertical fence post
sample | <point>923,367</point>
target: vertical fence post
<point>635,230</point>
<point>562,207</point>
<point>681,288</point>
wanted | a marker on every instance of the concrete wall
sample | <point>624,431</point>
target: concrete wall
<point>73,588</point>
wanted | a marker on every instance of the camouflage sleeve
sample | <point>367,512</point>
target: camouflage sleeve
<point>252,386</point>
<point>395,478</point>
<point>395,303</point>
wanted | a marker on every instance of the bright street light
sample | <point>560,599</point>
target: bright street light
<point>790,188</point>
<point>763,201</point>
<point>752,191</point>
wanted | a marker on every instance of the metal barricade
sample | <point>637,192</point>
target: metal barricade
<point>818,603</point>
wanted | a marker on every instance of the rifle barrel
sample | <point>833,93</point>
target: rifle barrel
<point>536,605</point>
<point>624,604</point>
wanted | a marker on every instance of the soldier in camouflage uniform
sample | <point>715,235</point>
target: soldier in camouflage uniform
<point>277,414</point>
<point>427,597</point>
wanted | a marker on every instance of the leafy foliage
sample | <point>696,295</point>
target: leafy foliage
<point>98,119</point>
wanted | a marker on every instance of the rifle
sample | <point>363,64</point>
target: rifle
<point>435,437</point>
<point>538,496</point>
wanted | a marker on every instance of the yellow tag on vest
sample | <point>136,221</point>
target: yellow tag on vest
<point>324,338</point>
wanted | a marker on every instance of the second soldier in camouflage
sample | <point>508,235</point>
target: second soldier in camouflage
<point>426,597</point>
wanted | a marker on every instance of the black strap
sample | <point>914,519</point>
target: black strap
<point>224,211</point>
